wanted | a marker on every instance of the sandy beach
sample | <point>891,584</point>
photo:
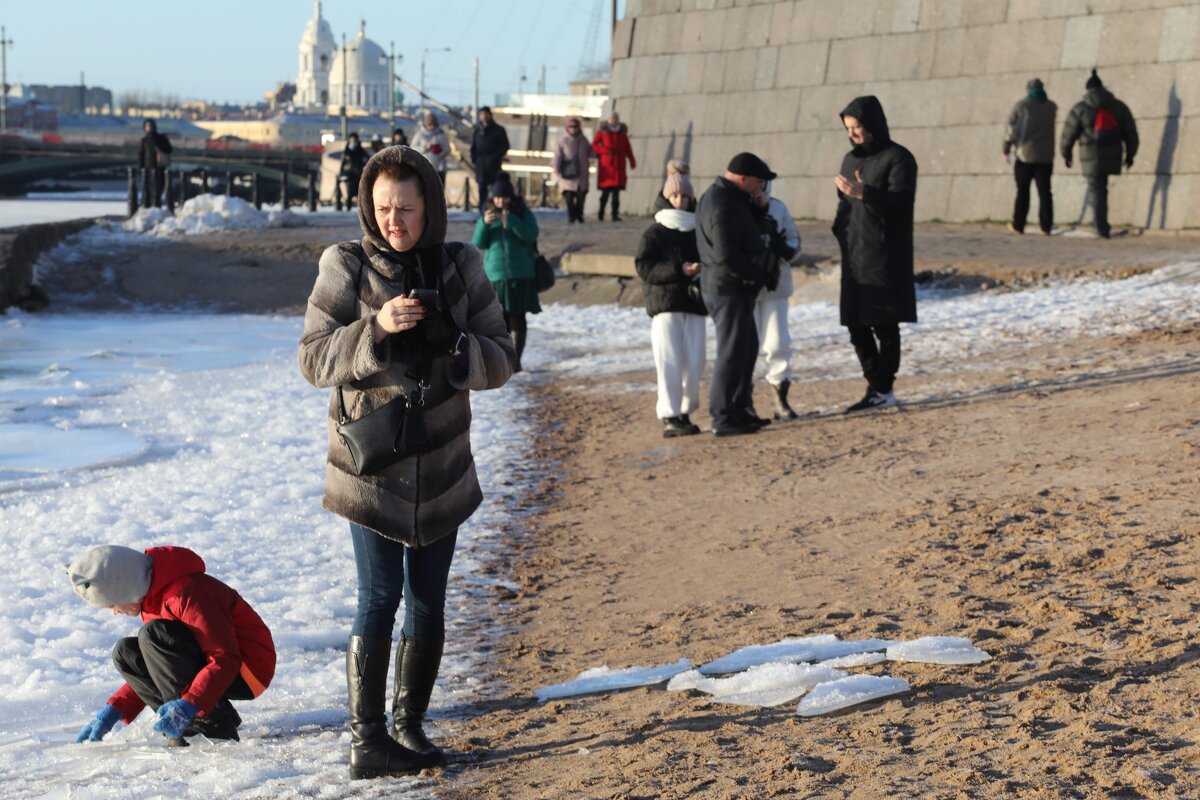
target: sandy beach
<point>1038,498</point>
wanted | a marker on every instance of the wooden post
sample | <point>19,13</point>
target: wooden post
<point>133,193</point>
<point>283,190</point>
<point>312,191</point>
<point>229,184</point>
<point>255,193</point>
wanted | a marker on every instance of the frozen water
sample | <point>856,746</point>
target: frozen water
<point>854,660</point>
<point>938,650</point>
<point>849,691</point>
<point>808,648</point>
<point>603,679</point>
<point>762,685</point>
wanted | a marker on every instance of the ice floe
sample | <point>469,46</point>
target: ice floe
<point>938,650</point>
<point>849,691</point>
<point>763,685</point>
<point>603,679</point>
<point>808,648</point>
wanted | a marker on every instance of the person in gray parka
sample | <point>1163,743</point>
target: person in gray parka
<point>877,190</point>
<point>1030,133</point>
<point>368,336</point>
<point>1104,128</point>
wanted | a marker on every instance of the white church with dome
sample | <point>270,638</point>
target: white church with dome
<point>331,76</point>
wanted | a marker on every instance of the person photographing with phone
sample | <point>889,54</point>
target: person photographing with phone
<point>507,233</point>
<point>401,319</point>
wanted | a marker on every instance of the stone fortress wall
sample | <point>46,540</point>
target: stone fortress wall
<point>705,79</point>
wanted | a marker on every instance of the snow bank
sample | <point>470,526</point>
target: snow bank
<point>208,213</point>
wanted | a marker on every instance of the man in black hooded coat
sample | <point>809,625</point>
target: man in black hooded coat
<point>153,158</point>
<point>1103,126</point>
<point>877,188</point>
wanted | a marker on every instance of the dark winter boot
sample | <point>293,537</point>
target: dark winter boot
<point>616,215</point>
<point>417,663</point>
<point>782,409</point>
<point>373,753</point>
<point>220,723</point>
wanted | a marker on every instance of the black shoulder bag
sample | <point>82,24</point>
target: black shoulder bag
<point>391,432</point>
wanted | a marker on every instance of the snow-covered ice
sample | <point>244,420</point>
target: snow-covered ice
<point>938,650</point>
<point>603,679</point>
<point>854,660</point>
<point>763,685</point>
<point>807,648</point>
<point>849,691</point>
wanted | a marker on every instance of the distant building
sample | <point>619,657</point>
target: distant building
<point>287,130</point>
<point>284,94</point>
<point>78,99</point>
<point>31,115</point>
<point>317,49</point>
<point>589,87</point>
<point>354,76</point>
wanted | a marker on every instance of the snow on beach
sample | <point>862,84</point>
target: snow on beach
<point>197,430</point>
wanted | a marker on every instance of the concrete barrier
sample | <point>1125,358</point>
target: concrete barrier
<point>19,251</point>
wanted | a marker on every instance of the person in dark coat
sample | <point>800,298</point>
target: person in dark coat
<point>1030,137</point>
<point>154,158</point>
<point>399,137</point>
<point>489,145</point>
<point>1103,126</point>
<point>354,160</point>
<point>877,189</point>
<point>735,258</point>
<point>668,262</point>
<point>201,646</point>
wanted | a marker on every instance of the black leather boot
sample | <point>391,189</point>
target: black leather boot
<point>417,663</point>
<point>373,753</point>
<point>782,409</point>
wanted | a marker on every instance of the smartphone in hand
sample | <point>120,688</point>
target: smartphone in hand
<point>426,297</point>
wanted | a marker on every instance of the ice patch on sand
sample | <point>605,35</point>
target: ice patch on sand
<point>808,648</point>
<point>763,685</point>
<point>938,650</point>
<point>849,691</point>
<point>603,679</point>
<point>854,660</point>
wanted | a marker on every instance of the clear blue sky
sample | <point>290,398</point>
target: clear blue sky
<point>234,50</point>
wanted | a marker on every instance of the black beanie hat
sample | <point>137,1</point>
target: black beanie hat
<point>1094,81</point>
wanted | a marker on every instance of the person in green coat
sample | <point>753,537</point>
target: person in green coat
<point>507,233</point>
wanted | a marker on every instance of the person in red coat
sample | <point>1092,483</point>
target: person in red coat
<point>201,646</point>
<point>612,147</point>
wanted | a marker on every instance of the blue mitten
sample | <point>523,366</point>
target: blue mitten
<point>174,717</point>
<point>101,724</point>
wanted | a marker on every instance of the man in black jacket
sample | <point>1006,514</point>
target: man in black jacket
<point>1103,126</point>
<point>489,145</point>
<point>877,189</point>
<point>153,158</point>
<point>735,263</point>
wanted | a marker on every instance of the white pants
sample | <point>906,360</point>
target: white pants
<point>677,339</point>
<point>771,317</point>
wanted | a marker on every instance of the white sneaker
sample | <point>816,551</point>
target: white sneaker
<point>872,400</point>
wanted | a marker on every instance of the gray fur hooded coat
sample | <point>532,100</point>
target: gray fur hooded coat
<point>422,498</point>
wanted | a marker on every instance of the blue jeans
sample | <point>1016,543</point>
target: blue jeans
<point>389,571</point>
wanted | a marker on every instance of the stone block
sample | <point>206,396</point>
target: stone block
<point>941,14</point>
<point>819,107</point>
<point>1186,80</point>
<point>734,33</point>
<point>976,43</point>
<point>1081,42</point>
<point>1130,38</point>
<point>758,27</point>
<point>851,61</point>
<point>775,110</point>
<point>802,64</point>
<point>970,198</point>
<point>906,16</point>
<point>712,31</point>
<point>781,22</point>
<point>1039,46</point>
<point>675,79</point>
<point>822,20</point>
<point>1167,152</point>
<point>957,96</point>
<point>621,83</point>
<point>1180,34</point>
<point>932,194</point>
<point>764,72</point>
<point>905,56</point>
<point>695,73</point>
<point>948,53</point>
<point>983,12</point>
<point>622,40</point>
<point>714,73</point>
<point>912,103</point>
<point>741,67</point>
<point>650,73</point>
<point>990,104</point>
<point>650,7</point>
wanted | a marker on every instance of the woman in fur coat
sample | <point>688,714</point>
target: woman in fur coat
<point>370,338</point>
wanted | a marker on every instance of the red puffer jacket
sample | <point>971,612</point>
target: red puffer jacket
<point>228,630</point>
<point>612,150</point>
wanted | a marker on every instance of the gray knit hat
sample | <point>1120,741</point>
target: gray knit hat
<point>111,575</point>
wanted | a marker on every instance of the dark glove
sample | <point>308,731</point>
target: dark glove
<point>174,717</point>
<point>101,724</point>
<point>1128,162</point>
<point>781,248</point>
<point>773,274</point>
<point>1067,161</point>
<point>439,332</point>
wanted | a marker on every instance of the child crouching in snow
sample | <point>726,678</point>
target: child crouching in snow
<point>201,646</point>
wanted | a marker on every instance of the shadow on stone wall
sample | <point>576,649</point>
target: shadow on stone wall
<point>19,250</point>
<point>1166,160</point>
<point>685,156</point>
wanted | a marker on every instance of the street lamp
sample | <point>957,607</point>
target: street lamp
<point>390,60</point>
<point>424,53</point>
